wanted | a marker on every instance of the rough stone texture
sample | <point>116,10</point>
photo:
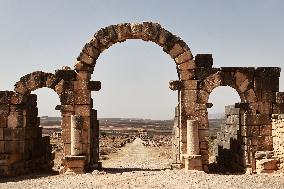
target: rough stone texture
<point>278,135</point>
<point>229,152</point>
<point>258,89</point>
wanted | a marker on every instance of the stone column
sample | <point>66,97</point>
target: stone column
<point>192,138</point>
<point>76,135</point>
<point>192,159</point>
<point>76,162</point>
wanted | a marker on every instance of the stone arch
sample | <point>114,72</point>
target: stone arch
<point>240,79</point>
<point>106,37</point>
<point>147,31</point>
<point>60,82</point>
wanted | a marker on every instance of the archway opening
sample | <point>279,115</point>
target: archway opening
<point>50,122</point>
<point>224,131</point>
<point>135,104</point>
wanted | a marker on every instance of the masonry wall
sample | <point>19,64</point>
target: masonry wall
<point>22,147</point>
<point>229,140</point>
<point>278,138</point>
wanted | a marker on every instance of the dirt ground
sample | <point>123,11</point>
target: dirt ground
<point>138,166</point>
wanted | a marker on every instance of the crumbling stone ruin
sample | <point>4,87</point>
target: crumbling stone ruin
<point>23,150</point>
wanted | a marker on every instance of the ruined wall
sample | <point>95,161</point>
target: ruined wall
<point>229,141</point>
<point>278,138</point>
<point>197,78</point>
<point>22,147</point>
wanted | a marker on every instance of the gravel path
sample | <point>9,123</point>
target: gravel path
<point>136,166</point>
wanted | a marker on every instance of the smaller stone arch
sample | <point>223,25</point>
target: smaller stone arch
<point>239,79</point>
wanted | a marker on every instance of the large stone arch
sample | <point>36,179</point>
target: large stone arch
<point>147,31</point>
<point>177,49</point>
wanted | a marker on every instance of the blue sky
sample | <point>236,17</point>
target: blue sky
<point>46,35</point>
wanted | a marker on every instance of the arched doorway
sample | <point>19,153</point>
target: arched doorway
<point>140,101</point>
<point>106,37</point>
<point>225,151</point>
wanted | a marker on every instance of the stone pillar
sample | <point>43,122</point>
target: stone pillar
<point>192,138</point>
<point>76,162</point>
<point>76,135</point>
<point>192,159</point>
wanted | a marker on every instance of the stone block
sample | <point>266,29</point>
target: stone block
<point>188,96</point>
<point>5,97</point>
<point>250,96</point>
<point>82,97</point>
<point>169,44</point>
<point>3,121</point>
<point>63,86</point>
<point>279,97</point>
<point>204,146</point>
<point>66,135</point>
<point>8,159</point>
<point>202,73</point>
<point>83,76</point>
<point>266,165</point>
<point>75,164</point>
<point>250,130</point>
<point>124,31</point>
<point>15,120</point>
<point>278,108</point>
<point>262,143</point>
<point>204,60</point>
<point>256,119</point>
<point>268,96</point>
<point>36,80</point>
<point>91,51</point>
<point>203,135</point>
<point>189,84</point>
<point>14,134</point>
<point>266,83</point>
<point>136,30</point>
<point>94,85</point>
<point>193,162</point>
<point>67,98</point>
<point>83,57</point>
<point>81,66</point>
<point>187,74</point>
<point>202,97</point>
<point>107,36</point>
<point>184,57</point>
<point>17,98</point>
<point>21,88</point>
<point>81,85</point>
<point>163,37</point>
<point>14,146</point>
<point>265,130</point>
<point>189,65</point>
<point>268,71</point>
<point>176,50</point>
<point>83,110</point>
<point>175,85</point>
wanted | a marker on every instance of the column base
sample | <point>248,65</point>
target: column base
<point>75,164</point>
<point>192,162</point>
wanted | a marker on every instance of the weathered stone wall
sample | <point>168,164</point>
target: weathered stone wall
<point>278,138</point>
<point>257,88</point>
<point>22,147</point>
<point>229,140</point>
